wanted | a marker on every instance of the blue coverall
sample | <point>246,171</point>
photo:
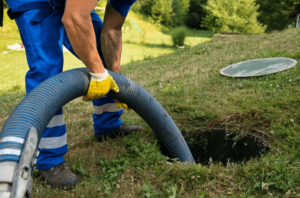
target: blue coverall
<point>43,36</point>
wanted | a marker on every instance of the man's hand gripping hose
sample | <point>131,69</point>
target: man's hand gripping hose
<point>100,85</point>
<point>15,178</point>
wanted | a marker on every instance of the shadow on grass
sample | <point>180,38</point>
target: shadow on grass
<point>193,33</point>
<point>165,46</point>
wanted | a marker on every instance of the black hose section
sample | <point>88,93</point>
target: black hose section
<point>41,104</point>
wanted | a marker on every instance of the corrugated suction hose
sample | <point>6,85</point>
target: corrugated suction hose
<point>41,104</point>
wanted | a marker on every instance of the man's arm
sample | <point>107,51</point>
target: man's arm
<point>78,24</point>
<point>111,38</point>
<point>80,30</point>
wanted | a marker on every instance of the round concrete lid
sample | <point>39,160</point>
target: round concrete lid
<point>258,67</point>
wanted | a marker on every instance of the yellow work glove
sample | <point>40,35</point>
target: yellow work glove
<point>100,84</point>
<point>122,105</point>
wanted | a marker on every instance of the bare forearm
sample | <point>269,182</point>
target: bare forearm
<point>111,38</point>
<point>111,46</point>
<point>79,27</point>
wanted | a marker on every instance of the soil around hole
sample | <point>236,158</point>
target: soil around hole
<point>221,145</point>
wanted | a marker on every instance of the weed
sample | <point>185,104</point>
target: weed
<point>80,170</point>
<point>149,190</point>
<point>173,89</point>
<point>111,171</point>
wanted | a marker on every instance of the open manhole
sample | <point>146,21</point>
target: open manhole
<point>219,145</point>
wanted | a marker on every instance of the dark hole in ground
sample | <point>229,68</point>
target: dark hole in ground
<point>223,146</point>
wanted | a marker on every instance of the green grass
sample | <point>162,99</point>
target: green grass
<point>155,44</point>
<point>8,33</point>
<point>189,86</point>
<point>152,41</point>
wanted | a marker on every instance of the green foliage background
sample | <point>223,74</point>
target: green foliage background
<point>278,14</point>
<point>167,12</point>
<point>160,11</point>
<point>180,11</point>
<point>274,14</point>
<point>196,13</point>
<point>239,16</point>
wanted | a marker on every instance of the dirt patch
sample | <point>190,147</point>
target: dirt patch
<point>246,122</point>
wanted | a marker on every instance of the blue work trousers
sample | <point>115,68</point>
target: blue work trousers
<point>43,42</point>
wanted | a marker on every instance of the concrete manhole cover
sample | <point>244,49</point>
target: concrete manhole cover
<point>258,67</point>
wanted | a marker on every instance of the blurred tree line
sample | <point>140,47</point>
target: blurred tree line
<point>239,16</point>
<point>272,14</point>
<point>278,14</point>
<point>167,12</point>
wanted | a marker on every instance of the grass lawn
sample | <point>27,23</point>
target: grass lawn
<point>188,84</point>
<point>155,43</point>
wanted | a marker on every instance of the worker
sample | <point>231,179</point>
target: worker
<point>45,26</point>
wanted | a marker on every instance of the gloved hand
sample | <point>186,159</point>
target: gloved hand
<point>100,84</point>
<point>122,105</point>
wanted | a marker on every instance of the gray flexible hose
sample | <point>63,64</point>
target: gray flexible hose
<point>41,104</point>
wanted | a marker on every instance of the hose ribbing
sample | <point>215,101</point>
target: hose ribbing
<point>41,104</point>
